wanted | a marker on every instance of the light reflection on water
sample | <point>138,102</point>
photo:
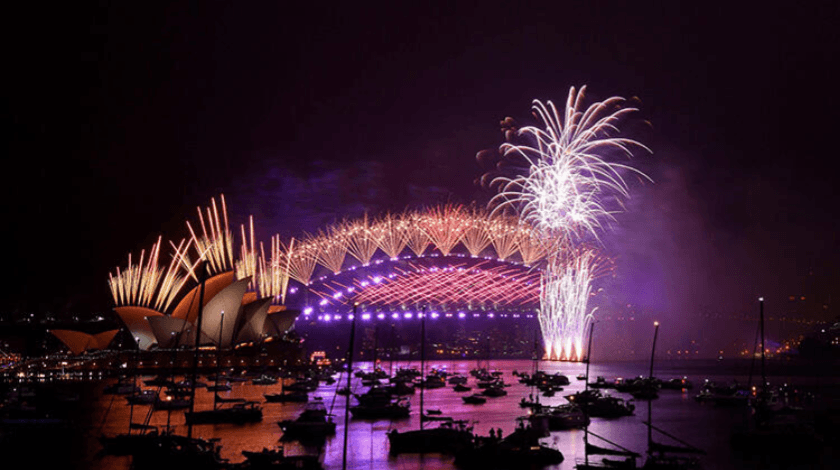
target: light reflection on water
<point>676,412</point>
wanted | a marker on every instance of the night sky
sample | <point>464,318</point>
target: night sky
<point>120,120</point>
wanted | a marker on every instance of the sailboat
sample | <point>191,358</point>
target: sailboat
<point>661,456</point>
<point>144,435</point>
<point>628,462</point>
<point>594,403</point>
<point>313,424</point>
<point>774,433</point>
<point>239,412</point>
<point>449,437</point>
<point>531,402</point>
<point>563,417</point>
<point>519,449</point>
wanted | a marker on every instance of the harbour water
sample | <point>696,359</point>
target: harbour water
<point>676,412</point>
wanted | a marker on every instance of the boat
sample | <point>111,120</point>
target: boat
<point>474,399</point>
<point>143,397</point>
<point>172,451</point>
<point>276,459</point>
<point>628,460</point>
<point>560,418</point>
<point>456,380</point>
<point>293,397</point>
<point>120,388</point>
<point>593,402</point>
<point>601,406</point>
<point>432,381</point>
<point>170,403</point>
<point>449,437</point>
<point>600,382</point>
<point>771,431</point>
<point>428,417</point>
<point>238,413</point>
<point>264,380</point>
<point>677,384</point>
<point>314,423</point>
<point>734,395</point>
<point>532,402</point>
<point>222,387</point>
<point>661,456</point>
<point>529,402</point>
<point>581,377</point>
<point>520,449</point>
<point>461,388</point>
<point>160,381</point>
<point>131,442</point>
<point>495,391</point>
<point>394,409</point>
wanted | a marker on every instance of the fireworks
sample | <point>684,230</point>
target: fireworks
<point>147,284</point>
<point>362,240</point>
<point>456,286</point>
<point>476,232</point>
<point>565,182</point>
<point>390,233</point>
<point>564,296</point>
<point>566,189</point>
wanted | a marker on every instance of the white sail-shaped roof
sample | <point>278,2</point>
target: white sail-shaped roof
<point>281,322</point>
<point>252,320</point>
<point>226,304</point>
<point>135,320</point>
<point>171,332</point>
<point>79,341</point>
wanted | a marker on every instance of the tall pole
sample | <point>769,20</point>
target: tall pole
<point>218,349</point>
<point>761,323</point>
<point>650,402</point>
<point>588,355</point>
<point>349,362</point>
<point>653,349</point>
<point>202,279</point>
<point>422,361</point>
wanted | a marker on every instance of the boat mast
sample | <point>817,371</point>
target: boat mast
<point>218,348</point>
<point>349,362</point>
<point>650,377</point>
<point>761,323</point>
<point>423,380</point>
<point>391,353</point>
<point>202,280</point>
<point>586,388</point>
<point>653,349</point>
<point>588,355</point>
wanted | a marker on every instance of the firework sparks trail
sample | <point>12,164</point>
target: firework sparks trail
<point>362,240</point>
<point>567,190</point>
<point>445,226</point>
<point>332,248</point>
<point>416,240</point>
<point>565,180</point>
<point>477,232</point>
<point>146,283</point>
<point>390,231</point>
<point>302,260</point>
<point>454,286</point>
<point>566,287</point>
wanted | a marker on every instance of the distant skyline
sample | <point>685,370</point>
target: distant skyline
<point>123,119</point>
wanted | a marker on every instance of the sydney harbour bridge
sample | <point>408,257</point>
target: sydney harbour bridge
<point>448,261</point>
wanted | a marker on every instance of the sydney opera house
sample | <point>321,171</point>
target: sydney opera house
<point>230,316</point>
